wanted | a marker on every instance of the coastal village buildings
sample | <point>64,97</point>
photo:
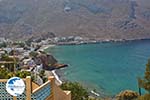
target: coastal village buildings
<point>2,52</point>
<point>15,58</point>
<point>2,40</point>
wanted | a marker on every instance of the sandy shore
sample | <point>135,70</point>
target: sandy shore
<point>53,73</point>
<point>58,81</point>
<point>44,47</point>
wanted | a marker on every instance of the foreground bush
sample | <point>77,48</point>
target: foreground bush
<point>145,83</point>
<point>77,90</point>
<point>5,74</point>
<point>127,95</point>
<point>144,97</point>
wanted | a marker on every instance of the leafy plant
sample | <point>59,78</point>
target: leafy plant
<point>43,76</point>
<point>145,83</point>
<point>127,95</point>
<point>6,74</point>
<point>3,45</point>
<point>33,53</point>
<point>78,92</point>
<point>22,74</point>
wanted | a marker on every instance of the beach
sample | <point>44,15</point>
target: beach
<point>58,81</point>
<point>44,47</point>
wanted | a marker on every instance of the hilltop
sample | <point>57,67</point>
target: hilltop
<point>94,19</point>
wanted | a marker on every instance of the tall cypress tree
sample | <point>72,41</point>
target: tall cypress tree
<point>146,81</point>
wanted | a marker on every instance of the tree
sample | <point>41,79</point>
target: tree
<point>19,44</point>
<point>33,53</point>
<point>6,74</point>
<point>5,57</point>
<point>77,90</point>
<point>3,45</point>
<point>22,74</point>
<point>145,83</point>
<point>43,76</point>
<point>144,97</point>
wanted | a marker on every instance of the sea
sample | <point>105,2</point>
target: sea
<point>107,68</point>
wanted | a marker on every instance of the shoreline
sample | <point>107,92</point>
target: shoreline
<point>58,76</point>
<point>98,41</point>
<point>44,47</point>
<point>58,80</point>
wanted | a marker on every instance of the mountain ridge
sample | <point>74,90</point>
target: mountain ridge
<point>94,19</point>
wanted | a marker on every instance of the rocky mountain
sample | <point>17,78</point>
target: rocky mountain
<point>95,19</point>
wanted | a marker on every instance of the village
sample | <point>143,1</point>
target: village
<point>31,58</point>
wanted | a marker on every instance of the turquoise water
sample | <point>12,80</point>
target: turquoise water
<point>106,67</point>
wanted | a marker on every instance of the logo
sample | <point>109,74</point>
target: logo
<point>15,86</point>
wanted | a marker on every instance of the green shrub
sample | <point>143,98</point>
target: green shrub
<point>145,83</point>
<point>22,74</point>
<point>4,73</point>
<point>33,53</point>
<point>77,90</point>
<point>127,95</point>
<point>144,97</point>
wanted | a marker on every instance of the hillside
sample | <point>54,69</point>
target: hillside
<point>95,19</point>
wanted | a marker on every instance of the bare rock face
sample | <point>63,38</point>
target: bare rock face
<point>127,95</point>
<point>46,60</point>
<point>95,19</point>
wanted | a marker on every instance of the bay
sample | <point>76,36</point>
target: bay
<point>107,67</point>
